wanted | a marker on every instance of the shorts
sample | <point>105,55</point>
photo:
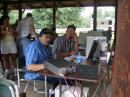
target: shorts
<point>8,47</point>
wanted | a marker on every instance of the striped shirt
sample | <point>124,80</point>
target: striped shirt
<point>36,53</point>
<point>61,45</point>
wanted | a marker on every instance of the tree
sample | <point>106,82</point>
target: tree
<point>99,13</point>
<point>110,14</point>
<point>64,16</point>
<point>104,13</point>
<point>43,17</point>
<point>13,14</point>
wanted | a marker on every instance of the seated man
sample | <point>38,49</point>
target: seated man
<point>67,44</point>
<point>37,53</point>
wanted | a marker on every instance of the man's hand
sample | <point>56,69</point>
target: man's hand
<point>75,37</point>
<point>73,53</point>
<point>76,47</point>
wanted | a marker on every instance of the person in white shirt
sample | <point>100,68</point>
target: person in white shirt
<point>25,29</point>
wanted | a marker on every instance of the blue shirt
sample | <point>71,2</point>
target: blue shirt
<point>36,53</point>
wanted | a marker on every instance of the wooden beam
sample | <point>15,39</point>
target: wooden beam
<point>31,1</point>
<point>54,14</point>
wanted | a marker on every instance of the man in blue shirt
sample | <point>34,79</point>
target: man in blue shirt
<point>36,54</point>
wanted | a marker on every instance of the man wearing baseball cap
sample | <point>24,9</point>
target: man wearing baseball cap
<point>36,54</point>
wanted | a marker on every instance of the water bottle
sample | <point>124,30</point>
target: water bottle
<point>78,58</point>
<point>103,51</point>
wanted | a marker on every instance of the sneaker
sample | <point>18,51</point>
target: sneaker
<point>51,93</point>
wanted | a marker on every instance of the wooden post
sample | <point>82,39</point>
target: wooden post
<point>121,67</point>
<point>95,16</point>
<point>20,11</point>
<point>5,8</point>
<point>54,14</point>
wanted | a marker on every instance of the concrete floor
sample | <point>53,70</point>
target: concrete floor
<point>30,92</point>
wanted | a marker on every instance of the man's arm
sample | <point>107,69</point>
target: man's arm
<point>32,57</point>
<point>32,29</point>
<point>76,47</point>
<point>35,67</point>
<point>31,26</point>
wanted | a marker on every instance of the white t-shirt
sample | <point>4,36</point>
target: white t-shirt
<point>23,28</point>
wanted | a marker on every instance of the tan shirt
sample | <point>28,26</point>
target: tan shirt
<point>7,33</point>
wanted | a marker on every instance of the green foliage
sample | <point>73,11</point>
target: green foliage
<point>64,17</point>
<point>110,14</point>
<point>99,13</point>
<point>43,17</point>
<point>87,20</point>
<point>102,13</point>
<point>13,14</point>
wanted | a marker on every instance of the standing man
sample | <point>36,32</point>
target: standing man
<point>25,29</point>
<point>67,44</point>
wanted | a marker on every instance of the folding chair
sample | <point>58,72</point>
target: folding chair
<point>23,70</point>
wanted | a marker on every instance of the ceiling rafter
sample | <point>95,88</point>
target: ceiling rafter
<point>14,4</point>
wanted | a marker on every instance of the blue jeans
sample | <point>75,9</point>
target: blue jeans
<point>22,43</point>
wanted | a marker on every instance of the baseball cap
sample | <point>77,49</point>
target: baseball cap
<point>45,31</point>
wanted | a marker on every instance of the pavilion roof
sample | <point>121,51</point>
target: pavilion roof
<point>30,4</point>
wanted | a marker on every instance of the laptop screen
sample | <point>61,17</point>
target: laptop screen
<point>94,51</point>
